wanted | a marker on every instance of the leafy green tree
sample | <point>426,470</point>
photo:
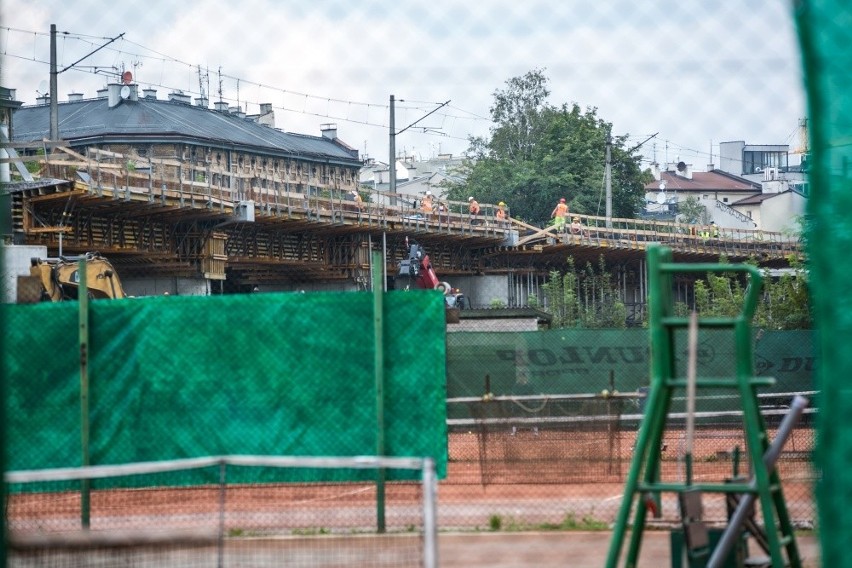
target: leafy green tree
<point>538,153</point>
<point>691,211</point>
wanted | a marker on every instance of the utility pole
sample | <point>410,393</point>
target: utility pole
<point>392,160</point>
<point>608,179</point>
<point>394,133</point>
<point>54,95</point>
<point>54,75</point>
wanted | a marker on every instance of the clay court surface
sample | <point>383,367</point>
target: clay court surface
<point>527,479</point>
<point>565,550</point>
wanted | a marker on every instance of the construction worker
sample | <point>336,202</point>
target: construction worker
<point>426,204</point>
<point>356,197</point>
<point>577,227</point>
<point>560,214</point>
<point>500,215</point>
<point>473,207</point>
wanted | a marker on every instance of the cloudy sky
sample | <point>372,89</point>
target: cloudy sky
<point>693,73</point>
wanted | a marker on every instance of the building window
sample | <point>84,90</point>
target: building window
<point>724,200</point>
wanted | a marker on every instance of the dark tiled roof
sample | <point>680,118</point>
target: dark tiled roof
<point>704,181</point>
<point>159,121</point>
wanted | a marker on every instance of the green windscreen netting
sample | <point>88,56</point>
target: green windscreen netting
<point>825,31</point>
<point>585,361</point>
<point>264,374</point>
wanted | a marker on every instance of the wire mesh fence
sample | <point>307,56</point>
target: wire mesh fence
<point>532,429</point>
<point>568,464</point>
<point>542,425</point>
<point>157,514</point>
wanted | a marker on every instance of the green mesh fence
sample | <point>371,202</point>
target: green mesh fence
<point>825,33</point>
<point>264,374</point>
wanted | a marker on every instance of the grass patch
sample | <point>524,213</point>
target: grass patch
<point>311,531</point>
<point>569,522</point>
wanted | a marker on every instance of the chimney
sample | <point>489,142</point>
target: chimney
<point>266,116</point>
<point>711,167</point>
<point>149,93</point>
<point>118,92</point>
<point>237,111</point>
<point>43,99</point>
<point>102,93</point>
<point>74,97</point>
<point>179,97</point>
<point>221,106</point>
<point>201,101</point>
<point>684,170</point>
<point>329,131</point>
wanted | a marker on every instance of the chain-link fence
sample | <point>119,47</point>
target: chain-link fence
<point>542,424</point>
<point>531,429</point>
<point>156,513</point>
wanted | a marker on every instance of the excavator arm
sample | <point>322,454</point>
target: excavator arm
<point>60,278</point>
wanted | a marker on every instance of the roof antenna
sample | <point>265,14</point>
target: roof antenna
<point>203,77</point>
<point>219,74</point>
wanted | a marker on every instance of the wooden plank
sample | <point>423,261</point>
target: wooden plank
<point>72,153</point>
<point>40,230</point>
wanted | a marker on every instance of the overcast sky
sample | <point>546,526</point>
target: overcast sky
<point>693,72</point>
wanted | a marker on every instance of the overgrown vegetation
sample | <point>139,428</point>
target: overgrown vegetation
<point>785,300</point>
<point>584,298</point>
<point>589,297</point>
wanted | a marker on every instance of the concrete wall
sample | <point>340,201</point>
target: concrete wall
<point>481,290</point>
<point>16,262</point>
<point>202,287</point>
<point>780,213</point>
<point>508,325</point>
<point>173,286</point>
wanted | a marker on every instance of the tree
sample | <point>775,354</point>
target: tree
<point>538,153</point>
<point>691,211</point>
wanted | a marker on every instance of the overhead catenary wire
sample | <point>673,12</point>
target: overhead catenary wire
<point>145,53</point>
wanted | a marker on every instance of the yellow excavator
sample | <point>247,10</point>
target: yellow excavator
<point>58,279</point>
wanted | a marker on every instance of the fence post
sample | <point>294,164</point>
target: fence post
<point>221,536</point>
<point>83,303</point>
<point>430,520</point>
<point>379,366</point>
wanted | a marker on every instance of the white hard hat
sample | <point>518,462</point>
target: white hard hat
<point>428,192</point>
<point>470,198</point>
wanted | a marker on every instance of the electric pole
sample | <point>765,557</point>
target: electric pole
<point>54,95</point>
<point>608,180</point>
<point>394,133</point>
<point>54,75</point>
<point>392,160</point>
